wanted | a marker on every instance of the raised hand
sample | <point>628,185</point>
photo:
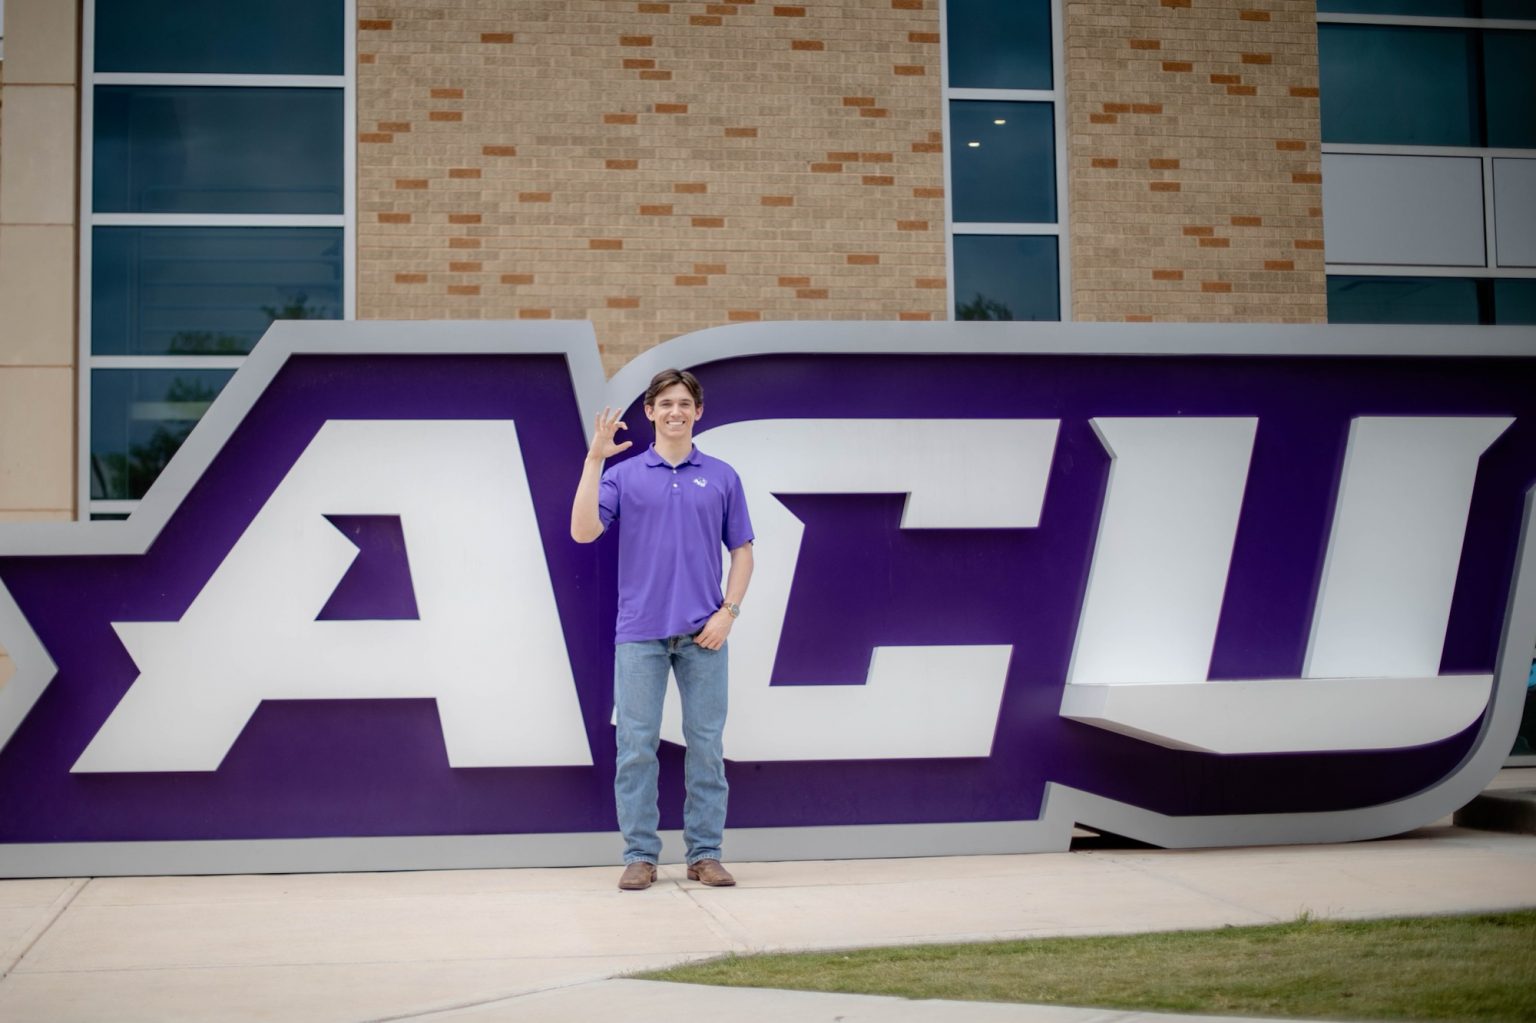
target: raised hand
<point>607,425</point>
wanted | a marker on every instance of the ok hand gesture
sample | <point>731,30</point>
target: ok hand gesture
<point>608,424</point>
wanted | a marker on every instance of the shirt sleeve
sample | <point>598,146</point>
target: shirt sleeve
<point>737,528</point>
<point>608,498</point>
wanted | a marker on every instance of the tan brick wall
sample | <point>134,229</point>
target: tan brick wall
<point>653,167</point>
<point>1195,165</point>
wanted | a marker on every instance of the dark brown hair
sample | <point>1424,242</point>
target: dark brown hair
<point>666,378</point>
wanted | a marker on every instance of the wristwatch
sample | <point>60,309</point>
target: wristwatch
<point>733,609</point>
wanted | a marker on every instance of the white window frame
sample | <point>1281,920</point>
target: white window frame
<point>89,220</point>
<point>1490,268</point>
<point>1056,95</point>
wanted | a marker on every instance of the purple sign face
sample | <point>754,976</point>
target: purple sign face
<point>1204,585</point>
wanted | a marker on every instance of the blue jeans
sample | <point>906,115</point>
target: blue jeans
<point>639,684</point>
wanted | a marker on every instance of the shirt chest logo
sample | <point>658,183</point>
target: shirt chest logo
<point>700,481</point>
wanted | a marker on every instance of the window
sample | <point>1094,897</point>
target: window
<point>1004,124</point>
<point>1429,159</point>
<point>216,197</point>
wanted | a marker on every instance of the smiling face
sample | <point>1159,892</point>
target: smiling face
<point>674,412</point>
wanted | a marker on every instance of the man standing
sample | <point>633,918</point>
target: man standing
<point>678,508</point>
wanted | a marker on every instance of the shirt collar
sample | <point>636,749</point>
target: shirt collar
<point>653,459</point>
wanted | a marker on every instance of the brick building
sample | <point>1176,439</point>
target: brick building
<point>170,183</point>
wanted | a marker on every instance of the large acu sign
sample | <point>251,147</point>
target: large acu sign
<point>1194,585</point>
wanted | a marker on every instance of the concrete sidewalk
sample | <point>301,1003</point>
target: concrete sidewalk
<point>543,944</point>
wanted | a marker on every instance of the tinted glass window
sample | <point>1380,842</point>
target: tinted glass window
<point>162,149</point>
<point>1418,8</point>
<point>1509,69</point>
<point>1402,300</point>
<point>1514,301</point>
<point>1402,86</point>
<point>139,418</point>
<point>1002,162</point>
<point>207,290</point>
<point>1519,10</point>
<point>999,44</point>
<point>1006,277</point>
<point>274,37</point>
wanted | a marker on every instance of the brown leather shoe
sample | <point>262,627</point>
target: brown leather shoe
<point>710,872</point>
<point>637,876</point>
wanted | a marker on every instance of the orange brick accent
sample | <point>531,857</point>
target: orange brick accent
<point>394,218</point>
<point>464,218</point>
<point>375,136</point>
<point>375,25</point>
<point>410,278</point>
<point>789,12</point>
<point>463,289</point>
<point>411,183</point>
<point>644,82</point>
<point>446,115</point>
<point>624,165</point>
<point>398,127</point>
<point>1308,243</point>
<point>930,282</point>
<point>463,172</point>
<point>1224,96</point>
<point>498,37</point>
<point>464,267</point>
<point>794,282</point>
<point>605,243</point>
<point>920,316</point>
<point>1279,264</point>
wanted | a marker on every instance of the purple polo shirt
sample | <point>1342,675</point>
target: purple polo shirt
<point>677,522</point>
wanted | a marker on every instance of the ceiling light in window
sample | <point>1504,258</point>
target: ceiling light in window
<point>974,145</point>
<point>1000,121</point>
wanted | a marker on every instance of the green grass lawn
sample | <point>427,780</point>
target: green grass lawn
<point>1479,967</point>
